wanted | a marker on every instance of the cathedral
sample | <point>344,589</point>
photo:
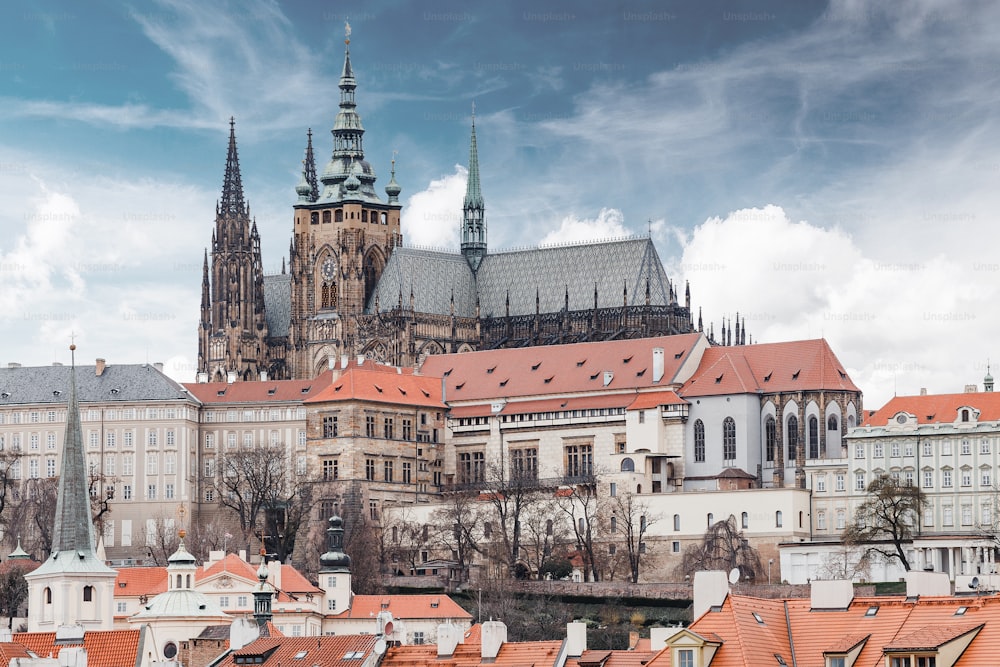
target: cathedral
<point>353,288</point>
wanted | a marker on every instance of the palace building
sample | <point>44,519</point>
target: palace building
<point>353,288</point>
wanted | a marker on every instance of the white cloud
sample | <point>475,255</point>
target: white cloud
<point>608,224</point>
<point>433,216</point>
<point>896,326</point>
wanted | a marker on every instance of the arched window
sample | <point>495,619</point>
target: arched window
<point>88,593</point>
<point>813,437</point>
<point>965,415</point>
<point>338,215</point>
<point>699,441</point>
<point>188,581</point>
<point>548,527</point>
<point>831,423</point>
<point>677,522</point>
<point>729,439</point>
<point>326,217</point>
<point>793,438</point>
<point>777,519</point>
<point>745,520</point>
<point>628,465</point>
<point>48,596</point>
<point>710,518</point>
<point>179,580</point>
<point>314,218</point>
<point>769,437</point>
<point>614,524</point>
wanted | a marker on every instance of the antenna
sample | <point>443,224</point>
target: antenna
<point>734,575</point>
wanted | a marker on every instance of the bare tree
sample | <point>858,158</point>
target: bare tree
<point>161,537</point>
<point>845,563</point>
<point>13,591</point>
<point>35,514</point>
<point>722,548</point>
<point>9,482</point>
<point>252,480</point>
<point>579,504</point>
<point>886,520</point>
<point>632,520</point>
<point>459,528</point>
<point>510,489</point>
<point>543,535</point>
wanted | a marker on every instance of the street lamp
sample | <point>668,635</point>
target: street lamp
<point>770,562</point>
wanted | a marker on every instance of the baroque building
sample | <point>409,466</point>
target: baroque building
<point>353,288</point>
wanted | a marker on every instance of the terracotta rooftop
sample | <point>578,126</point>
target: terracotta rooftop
<point>938,408</point>
<point>270,391</point>
<point>136,581</point>
<point>561,369</point>
<point>329,651</point>
<point>469,654</point>
<point>292,580</point>
<point>767,368</point>
<point>382,384</point>
<point>405,606</point>
<point>105,648</point>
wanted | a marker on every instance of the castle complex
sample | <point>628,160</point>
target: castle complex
<point>353,288</point>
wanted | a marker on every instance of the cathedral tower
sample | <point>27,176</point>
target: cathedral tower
<point>473,209</point>
<point>342,238</point>
<point>72,587</point>
<point>231,341</point>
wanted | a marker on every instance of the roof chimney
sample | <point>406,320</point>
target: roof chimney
<point>448,638</point>
<point>576,638</point>
<point>923,391</point>
<point>158,366</point>
<point>927,583</point>
<point>494,634</point>
<point>832,594</point>
<point>971,389</point>
<point>657,364</point>
<point>231,377</point>
<point>99,367</point>
<point>13,364</point>
<point>710,590</point>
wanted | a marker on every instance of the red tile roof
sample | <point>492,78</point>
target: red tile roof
<point>559,369</point>
<point>382,384</point>
<point>292,580</point>
<point>105,648</point>
<point>654,399</point>
<point>271,391</point>
<point>135,581</point>
<point>469,654</point>
<point>937,408</point>
<point>405,606</point>
<point>767,368</point>
<point>329,651</point>
<point>10,650</point>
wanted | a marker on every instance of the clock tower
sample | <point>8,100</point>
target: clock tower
<point>343,235</point>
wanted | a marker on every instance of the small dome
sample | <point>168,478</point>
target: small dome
<point>353,183</point>
<point>335,560</point>
<point>181,556</point>
<point>303,189</point>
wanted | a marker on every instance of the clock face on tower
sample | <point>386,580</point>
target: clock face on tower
<point>329,269</point>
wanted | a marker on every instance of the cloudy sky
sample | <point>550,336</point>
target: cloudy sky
<point>822,169</point>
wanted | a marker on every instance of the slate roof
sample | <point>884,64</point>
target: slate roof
<point>937,408</point>
<point>803,365</point>
<point>278,304</point>
<point>105,648</point>
<point>119,383</point>
<point>610,267</point>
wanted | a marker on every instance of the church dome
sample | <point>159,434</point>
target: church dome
<point>335,560</point>
<point>181,603</point>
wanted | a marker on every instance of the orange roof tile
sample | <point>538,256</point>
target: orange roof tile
<point>10,650</point>
<point>137,581</point>
<point>329,651</point>
<point>937,408</point>
<point>405,606</point>
<point>559,369</point>
<point>270,391</point>
<point>654,399</point>
<point>592,402</point>
<point>292,581</point>
<point>382,385</point>
<point>768,367</point>
<point>469,654</point>
<point>105,648</point>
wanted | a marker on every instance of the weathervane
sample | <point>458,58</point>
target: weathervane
<point>347,32</point>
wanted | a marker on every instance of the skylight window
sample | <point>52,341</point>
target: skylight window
<point>305,390</point>
<point>627,359</point>
<point>961,611</point>
<point>301,654</point>
<point>795,375</point>
<point>757,618</point>
<point>534,367</point>
<point>872,610</point>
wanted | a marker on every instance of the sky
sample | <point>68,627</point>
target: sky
<point>821,169</point>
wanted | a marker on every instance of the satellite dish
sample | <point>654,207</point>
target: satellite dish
<point>734,575</point>
<point>974,583</point>
<point>380,646</point>
<point>389,627</point>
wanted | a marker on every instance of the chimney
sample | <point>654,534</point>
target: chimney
<point>202,377</point>
<point>657,364</point>
<point>927,583</point>
<point>658,637</point>
<point>971,389</point>
<point>263,376</point>
<point>608,377</point>
<point>576,638</point>
<point>361,360</point>
<point>448,639</point>
<point>832,594</point>
<point>274,569</point>
<point>99,367</point>
<point>710,590</point>
<point>231,377</point>
<point>343,360</point>
<point>633,640</point>
<point>158,366</point>
<point>494,634</point>
<point>923,391</point>
<point>13,364</point>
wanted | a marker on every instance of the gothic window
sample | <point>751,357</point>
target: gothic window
<point>372,271</point>
<point>831,423</point>
<point>729,439</point>
<point>364,216</point>
<point>793,438</point>
<point>338,215</point>
<point>88,593</point>
<point>769,437</point>
<point>813,437</point>
<point>314,218</point>
<point>699,441</point>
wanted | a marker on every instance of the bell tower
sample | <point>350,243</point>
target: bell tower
<point>343,235</point>
<point>233,329</point>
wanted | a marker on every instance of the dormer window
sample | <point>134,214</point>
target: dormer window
<point>965,414</point>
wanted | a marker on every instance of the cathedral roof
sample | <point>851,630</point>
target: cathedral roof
<point>521,275</point>
<point>278,303</point>
<point>116,383</point>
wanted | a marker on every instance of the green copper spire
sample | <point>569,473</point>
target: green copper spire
<point>474,208</point>
<point>73,530</point>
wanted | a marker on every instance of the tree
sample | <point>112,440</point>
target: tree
<point>13,591</point>
<point>511,490</point>
<point>543,538</point>
<point>723,547</point>
<point>886,520</point>
<point>459,528</point>
<point>632,519</point>
<point>579,503</point>
<point>35,515</point>
<point>9,475</point>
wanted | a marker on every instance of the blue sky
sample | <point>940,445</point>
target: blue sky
<point>825,169</point>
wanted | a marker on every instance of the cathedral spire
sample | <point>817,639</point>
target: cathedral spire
<point>206,300</point>
<point>310,167</point>
<point>473,208</point>
<point>232,185</point>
